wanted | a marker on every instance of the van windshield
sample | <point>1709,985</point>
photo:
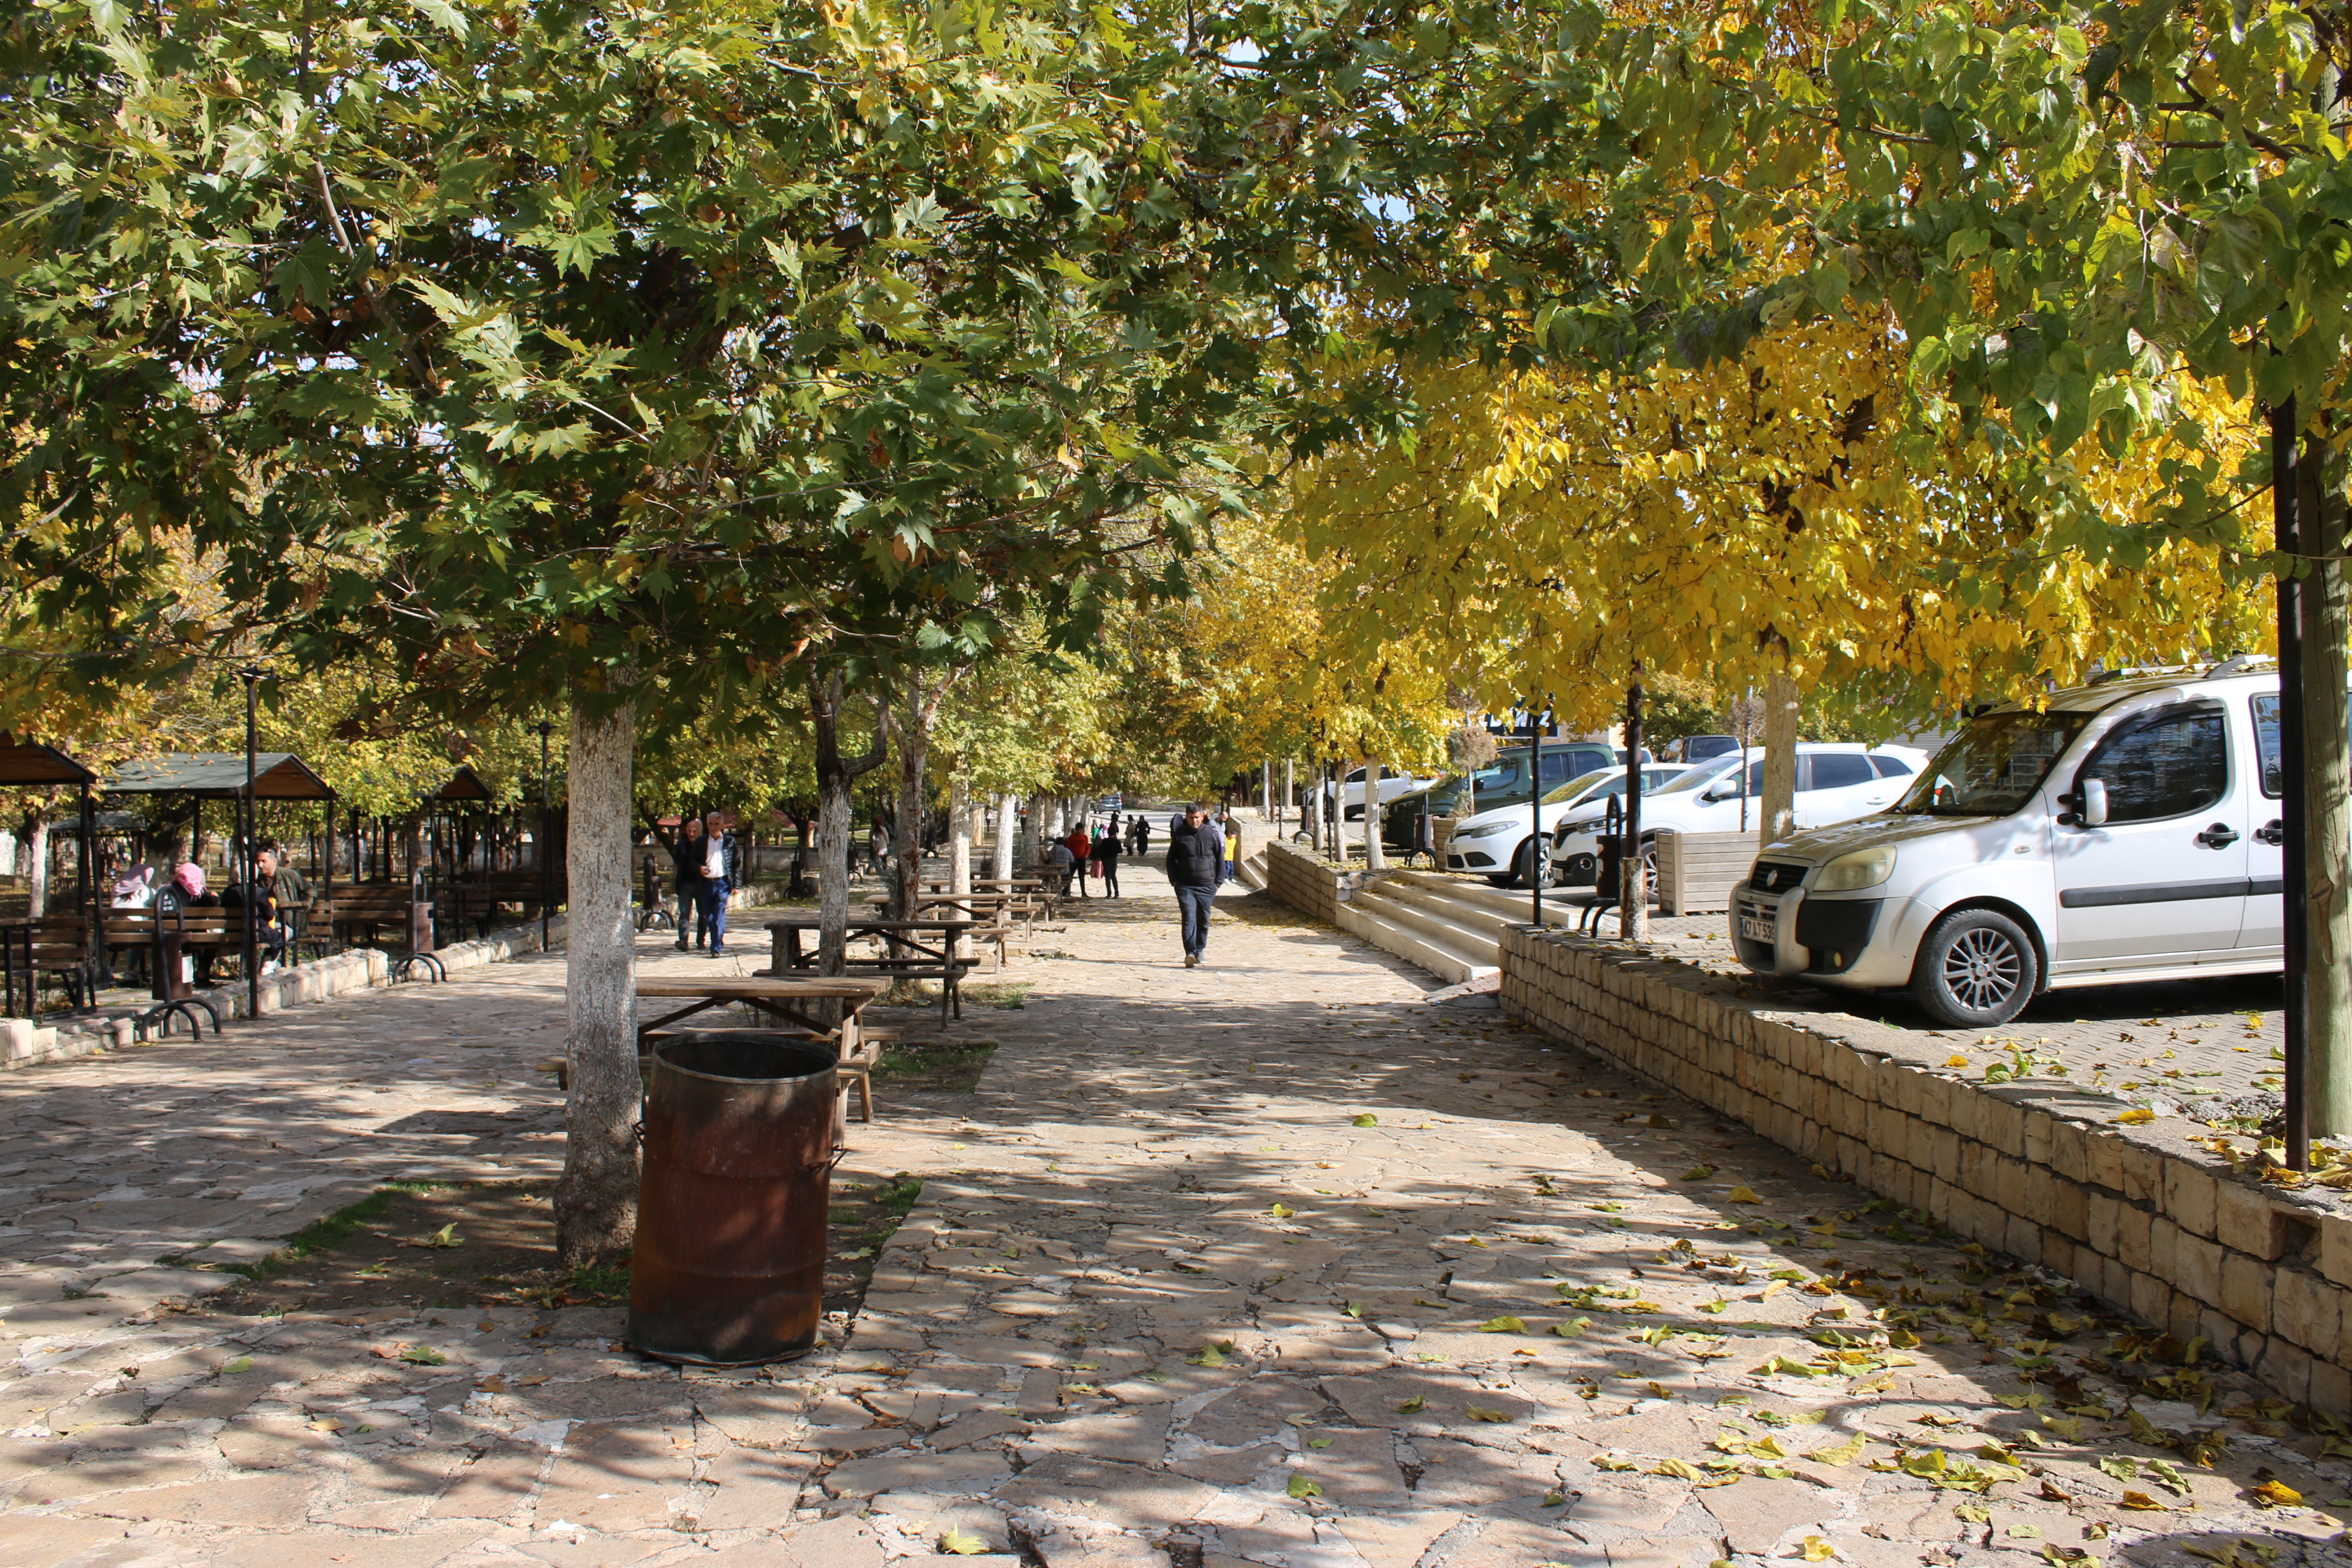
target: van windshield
<point>1993,766</point>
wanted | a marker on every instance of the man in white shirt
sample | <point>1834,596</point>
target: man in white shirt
<point>719,859</point>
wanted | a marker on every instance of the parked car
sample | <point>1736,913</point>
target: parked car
<point>1502,782</point>
<point>1500,844</point>
<point>2127,830</point>
<point>1352,790</point>
<point>1835,781</point>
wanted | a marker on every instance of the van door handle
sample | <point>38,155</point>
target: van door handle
<point>2273,832</point>
<point>2220,835</point>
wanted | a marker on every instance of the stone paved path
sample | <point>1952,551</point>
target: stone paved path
<point>1266,1262</point>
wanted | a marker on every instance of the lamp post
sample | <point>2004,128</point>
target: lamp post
<point>544,728</point>
<point>252,675</point>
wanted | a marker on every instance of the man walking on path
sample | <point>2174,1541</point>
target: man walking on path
<point>1080,845</point>
<point>1106,855</point>
<point>720,857</point>
<point>686,859</point>
<point>1196,851</point>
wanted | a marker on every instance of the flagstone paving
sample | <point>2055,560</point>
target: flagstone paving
<point>1271,1261</point>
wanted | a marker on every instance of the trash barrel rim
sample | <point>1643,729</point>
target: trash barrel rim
<point>824,1058</point>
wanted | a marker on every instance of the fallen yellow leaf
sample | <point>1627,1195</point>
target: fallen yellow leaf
<point>2137,1115</point>
<point>1742,1194</point>
<point>1817,1550</point>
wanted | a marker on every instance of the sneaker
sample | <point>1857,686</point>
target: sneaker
<point>681,945</point>
<point>719,952</point>
<point>1191,960</point>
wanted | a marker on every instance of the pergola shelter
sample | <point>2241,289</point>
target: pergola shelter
<point>37,944</point>
<point>200,776</point>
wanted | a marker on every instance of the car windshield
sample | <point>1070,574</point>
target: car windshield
<point>1700,776</point>
<point>1993,766</point>
<point>1503,773</point>
<point>1578,785</point>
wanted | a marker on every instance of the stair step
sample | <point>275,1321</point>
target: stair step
<point>1438,957</point>
<point>1446,927</point>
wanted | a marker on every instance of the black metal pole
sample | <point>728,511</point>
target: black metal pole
<point>544,884</point>
<point>1632,891</point>
<point>249,871</point>
<point>2294,870</point>
<point>94,949</point>
<point>1537,859</point>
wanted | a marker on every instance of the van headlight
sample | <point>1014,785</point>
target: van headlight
<point>1859,868</point>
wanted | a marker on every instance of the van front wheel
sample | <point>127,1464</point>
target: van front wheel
<point>1976,969</point>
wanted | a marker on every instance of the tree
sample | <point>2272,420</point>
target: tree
<point>527,347</point>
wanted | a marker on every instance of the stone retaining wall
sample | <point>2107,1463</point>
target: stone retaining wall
<point>1308,883</point>
<point>2135,1214</point>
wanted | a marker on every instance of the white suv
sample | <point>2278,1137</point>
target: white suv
<point>2126,830</point>
<point>1834,783</point>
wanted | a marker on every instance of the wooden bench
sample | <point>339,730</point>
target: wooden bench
<point>1697,871</point>
<point>373,906</point>
<point>169,938</point>
<point>46,944</point>
<point>474,900</point>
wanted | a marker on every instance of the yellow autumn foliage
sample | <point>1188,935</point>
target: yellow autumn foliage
<point>1767,513</point>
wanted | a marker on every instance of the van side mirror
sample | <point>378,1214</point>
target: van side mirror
<point>2094,802</point>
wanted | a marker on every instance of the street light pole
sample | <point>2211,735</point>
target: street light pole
<point>544,728</point>
<point>252,675</point>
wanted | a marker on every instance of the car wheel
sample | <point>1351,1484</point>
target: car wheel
<point>1976,969</point>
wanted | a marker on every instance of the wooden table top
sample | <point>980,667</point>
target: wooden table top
<point>862,922</point>
<point>851,986</point>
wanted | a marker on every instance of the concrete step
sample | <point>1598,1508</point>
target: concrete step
<point>1512,905</point>
<point>1461,929</point>
<point>1469,917</point>
<point>1439,956</point>
<point>1250,871</point>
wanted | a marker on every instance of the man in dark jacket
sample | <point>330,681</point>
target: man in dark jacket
<point>1196,851</point>
<point>686,858</point>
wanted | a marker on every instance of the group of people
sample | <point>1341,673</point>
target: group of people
<point>1204,852</point>
<point>278,892</point>
<point>708,865</point>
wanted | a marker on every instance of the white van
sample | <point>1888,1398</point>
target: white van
<point>2126,830</point>
<point>1836,781</point>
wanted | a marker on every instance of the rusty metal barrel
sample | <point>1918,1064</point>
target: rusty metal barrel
<point>730,1267</point>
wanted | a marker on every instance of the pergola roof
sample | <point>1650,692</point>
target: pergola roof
<point>463,785</point>
<point>30,763</point>
<point>220,775</point>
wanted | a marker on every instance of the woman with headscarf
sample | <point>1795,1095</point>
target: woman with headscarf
<point>186,892</point>
<point>135,891</point>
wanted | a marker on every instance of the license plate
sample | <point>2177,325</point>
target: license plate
<point>1756,927</point>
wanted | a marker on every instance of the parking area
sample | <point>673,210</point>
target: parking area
<point>2209,1049</point>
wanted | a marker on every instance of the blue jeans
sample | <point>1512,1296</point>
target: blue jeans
<point>1194,904</point>
<point>714,912</point>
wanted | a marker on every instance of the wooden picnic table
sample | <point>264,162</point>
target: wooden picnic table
<point>909,958</point>
<point>779,998</point>
<point>786,1000</point>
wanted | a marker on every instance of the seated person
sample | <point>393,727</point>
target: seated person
<point>186,892</point>
<point>1058,861</point>
<point>136,890</point>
